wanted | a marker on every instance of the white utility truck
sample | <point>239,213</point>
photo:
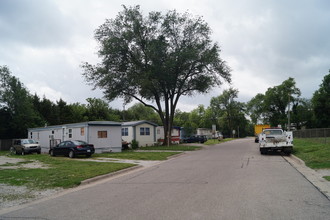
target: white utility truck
<point>275,139</point>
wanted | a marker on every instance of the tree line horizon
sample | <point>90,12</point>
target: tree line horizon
<point>20,110</point>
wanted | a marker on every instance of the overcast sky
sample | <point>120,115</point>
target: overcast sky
<point>44,42</point>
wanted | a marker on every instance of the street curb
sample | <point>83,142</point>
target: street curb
<point>97,178</point>
<point>175,155</point>
<point>311,175</point>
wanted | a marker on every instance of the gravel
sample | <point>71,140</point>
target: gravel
<point>17,195</point>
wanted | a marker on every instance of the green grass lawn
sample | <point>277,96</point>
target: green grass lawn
<point>177,147</point>
<point>131,155</point>
<point>315,153</point>
<point>62,171</point>
<point>65,172</point>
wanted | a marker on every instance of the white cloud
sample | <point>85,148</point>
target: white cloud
<point>43,90</point>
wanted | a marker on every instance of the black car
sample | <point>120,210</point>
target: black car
<point>72,148</point>
<point>202,138</point>
<point>195,139</point>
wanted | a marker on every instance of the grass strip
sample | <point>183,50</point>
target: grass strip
<point>62,172</point>
<point>315,154</point>
<point>178,147</point>
<point>131,155</point>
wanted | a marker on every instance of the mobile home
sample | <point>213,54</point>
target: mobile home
<point>142,131</point>
<point>104,135</point>
<point>175,134</point>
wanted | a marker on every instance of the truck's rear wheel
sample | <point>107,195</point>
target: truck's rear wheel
<point>288,152</point>
<point>263,151</point>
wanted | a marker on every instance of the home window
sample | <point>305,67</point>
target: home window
<point>70,133</point>
<point>144,131</point>
<point>102,134</point>
<point>124,132</point>
<point>141,131</point>
<point>82,131</point>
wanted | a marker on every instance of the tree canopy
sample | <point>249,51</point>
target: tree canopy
<point>272,107</point>
<point>321,102</point>
<point>156,59</point>
<point>229,112</point>
<point>16,108</point>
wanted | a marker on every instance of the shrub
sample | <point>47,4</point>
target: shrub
<point>135,144</point>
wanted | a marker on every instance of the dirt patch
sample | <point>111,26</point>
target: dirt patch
<point>17,195</point>
<point>5,160</point>
<point>15,163</point>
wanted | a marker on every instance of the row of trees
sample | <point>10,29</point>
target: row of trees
<point>279,105</point>
<point>282,105</point>
<point>20,110</point>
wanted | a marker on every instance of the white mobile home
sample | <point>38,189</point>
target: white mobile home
<point>142,131</point>
<point>104,135</point>
<point>175,135</point>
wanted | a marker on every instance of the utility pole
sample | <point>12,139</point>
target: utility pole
<point>289,123</point>
<point>123,112</point>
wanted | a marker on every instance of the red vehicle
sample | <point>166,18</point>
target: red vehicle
<point>72,149</point>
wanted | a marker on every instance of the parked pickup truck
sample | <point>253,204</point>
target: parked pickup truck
<point>275,139</point>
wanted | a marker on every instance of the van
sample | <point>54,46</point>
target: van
<point>25,146</point>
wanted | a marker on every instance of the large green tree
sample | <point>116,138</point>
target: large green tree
<point>277,101</point>
<point>321,103</point>
<point>156,59</point>
<point>98,109</point>
<point>302,113</point>
<point>256,108</point>
<point>16,107</point>
<point>230,113</point>
<point>140,112</point>
<point>272,107</point>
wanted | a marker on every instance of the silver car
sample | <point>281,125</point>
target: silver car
<point>24,146</point>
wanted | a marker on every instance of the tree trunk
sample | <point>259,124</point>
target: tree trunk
<point>167,131</point>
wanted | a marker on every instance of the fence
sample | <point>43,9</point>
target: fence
<point>323,134</point>
<point>5,144</point>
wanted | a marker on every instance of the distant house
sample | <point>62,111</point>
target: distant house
<point>175,135</point>
<point>208,133</point>
<point>104,135</point>
<point>142,131</point>
<point>204,131</point>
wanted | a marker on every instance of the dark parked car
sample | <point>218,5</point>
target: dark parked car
<point>72,148</point>
<point>195,139</point>
<point>202,138</point>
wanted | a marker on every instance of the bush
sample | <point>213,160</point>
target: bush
<point>135,144</point>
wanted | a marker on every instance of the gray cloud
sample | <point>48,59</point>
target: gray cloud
<point>38,23</point>
<point>265,42</point>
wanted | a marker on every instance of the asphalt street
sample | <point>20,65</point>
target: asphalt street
<point>226,181</point>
